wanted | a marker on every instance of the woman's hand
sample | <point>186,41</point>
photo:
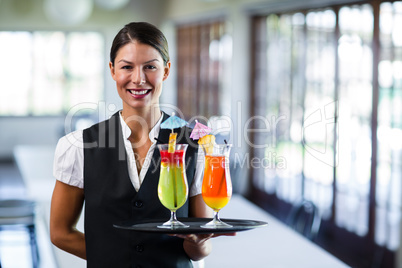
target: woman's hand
<point>201,238</point>
<point>198,246</point>
<point>195,239</point>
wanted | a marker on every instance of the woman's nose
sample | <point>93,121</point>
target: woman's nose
<point>138,76</point>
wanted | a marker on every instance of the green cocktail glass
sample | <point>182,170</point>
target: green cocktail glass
<point>173,186</point>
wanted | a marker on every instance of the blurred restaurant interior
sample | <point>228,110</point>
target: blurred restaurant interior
<point>308,92</point>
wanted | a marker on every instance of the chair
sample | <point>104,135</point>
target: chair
<point>17,214</point>
<point>305,219</point>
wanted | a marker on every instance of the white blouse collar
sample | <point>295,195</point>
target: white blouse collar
<point>154,133</point>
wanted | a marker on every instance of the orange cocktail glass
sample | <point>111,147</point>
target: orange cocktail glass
<point>216,184</point>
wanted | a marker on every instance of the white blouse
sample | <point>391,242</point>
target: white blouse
<point>68,166</point>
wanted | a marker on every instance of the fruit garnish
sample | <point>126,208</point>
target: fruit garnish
<point>207,142</point>
<point>172,142</point>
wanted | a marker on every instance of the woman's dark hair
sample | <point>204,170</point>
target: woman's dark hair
<point>144,33</point>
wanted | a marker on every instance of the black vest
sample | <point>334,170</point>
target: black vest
<point>110,198</point>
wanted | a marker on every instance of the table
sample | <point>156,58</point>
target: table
<point>36,166</point>
<point>275,245</point>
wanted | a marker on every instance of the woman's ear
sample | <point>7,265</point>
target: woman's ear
<point>166,71</point>
<point>112,70</point>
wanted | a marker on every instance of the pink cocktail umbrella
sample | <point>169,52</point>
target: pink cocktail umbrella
<point>199,131</point>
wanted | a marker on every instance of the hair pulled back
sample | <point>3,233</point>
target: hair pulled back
<point>144,33</point>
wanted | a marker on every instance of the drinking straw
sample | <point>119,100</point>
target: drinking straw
<point>174,180</point>
<point>224,173</point>
<point>158,139</point>
<point>203,148</point>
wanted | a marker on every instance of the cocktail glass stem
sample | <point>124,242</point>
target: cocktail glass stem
<point>216,216</point>
<point>173,223</point>
<point>216,222</point>
<point>173,217</point>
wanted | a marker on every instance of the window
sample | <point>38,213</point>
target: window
<point>333,102</point>
<point>47,73</point>
<point>389,131</point>
<point>203,51</point>
<point>355,94</point>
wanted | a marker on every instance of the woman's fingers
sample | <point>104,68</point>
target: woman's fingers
<point>201,238</point>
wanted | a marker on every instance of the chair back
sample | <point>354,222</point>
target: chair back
<point>305,219</point>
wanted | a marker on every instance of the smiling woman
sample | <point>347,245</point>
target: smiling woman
<point>113,178</point>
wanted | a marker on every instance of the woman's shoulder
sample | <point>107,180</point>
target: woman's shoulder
<point>68,159</point>
<point>71,141</point>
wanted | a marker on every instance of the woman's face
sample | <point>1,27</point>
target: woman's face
<point>139,72</point>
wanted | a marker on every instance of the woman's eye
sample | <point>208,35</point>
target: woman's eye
<point>126,67</point>
<point>151,67</point>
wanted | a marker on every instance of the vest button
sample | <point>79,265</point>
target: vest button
<point>138,204</point>
<point>139,248</point>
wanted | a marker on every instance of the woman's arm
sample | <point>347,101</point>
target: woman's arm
<point>66,207</point>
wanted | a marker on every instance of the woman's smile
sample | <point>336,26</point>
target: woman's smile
<point>139,93</point>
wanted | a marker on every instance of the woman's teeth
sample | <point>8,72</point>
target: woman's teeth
<point>136,92</point>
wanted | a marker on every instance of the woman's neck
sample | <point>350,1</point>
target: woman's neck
<point>141,121</point>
